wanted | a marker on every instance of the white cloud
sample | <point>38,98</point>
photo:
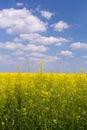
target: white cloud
<point>19,4</point>
<point>59,44</point>
<point>19,52</point>
<point>52,58</point>
<point>46,14</point>
<point>60,26</point>
<point>39,39</point>
<point>85,62</point>
<point>20,21</point>
<point>36,54</point>
<point>78,45</point>
<point>66,53</point>
<point>21,58</point>
<point>39,56</point>
<point>11,45</point>
<point>32,47</point>
<point>23,47</point>
<point>4,58</point>
<point>45,59</point>
<point>84,56</point>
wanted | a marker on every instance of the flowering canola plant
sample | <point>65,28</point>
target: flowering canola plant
<point>40,101</point>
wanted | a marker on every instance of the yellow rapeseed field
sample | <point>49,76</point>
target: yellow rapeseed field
<point>40,101</point>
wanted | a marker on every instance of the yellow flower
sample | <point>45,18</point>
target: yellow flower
<point>24,111</point>
<point>54,121</point>
<point>62,90</point>
<point>3,123</point>
<point>78,117</point>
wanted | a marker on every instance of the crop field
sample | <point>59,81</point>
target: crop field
<point>41,101</point>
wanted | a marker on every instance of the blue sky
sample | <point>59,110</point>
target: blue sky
<point>54,32</point>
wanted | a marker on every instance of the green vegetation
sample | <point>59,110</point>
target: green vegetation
<point>42,101</point>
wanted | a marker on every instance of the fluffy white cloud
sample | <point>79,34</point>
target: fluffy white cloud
<point>46,58</point>
<point>11,46</point>
<point>32,47</point>
<point>21,58</point>
<point>39,39</point>
<point>60,26</point>
<point>46,14</point>
<point>20,21</point>
<point>66,53</point>
<point>23,47</point>
<point>36,54</point>
<point>78,45</point>
<point>39,56</point>
<point>4,58</point>
<point>19,52</point>
<point>59,44</point>
<point>19,4</point>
